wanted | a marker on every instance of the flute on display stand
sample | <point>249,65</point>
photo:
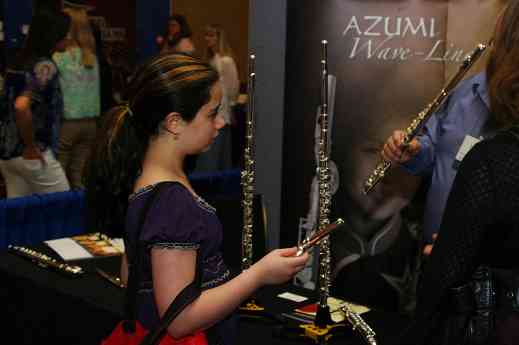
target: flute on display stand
<point>323,326</point>
<point>251,305</point>
<point>247,174</point>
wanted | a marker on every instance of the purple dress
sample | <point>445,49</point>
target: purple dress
<point>178,220</point>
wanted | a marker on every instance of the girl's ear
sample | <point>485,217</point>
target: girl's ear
<point>173,123</point>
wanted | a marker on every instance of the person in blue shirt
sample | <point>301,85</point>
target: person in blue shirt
<point>462,121</point>
<point>29,128</point>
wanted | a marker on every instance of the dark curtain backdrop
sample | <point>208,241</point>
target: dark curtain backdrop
<point>118,14</point>
<point>2,37</point>
<point>390,58</point>
<point>17,17</point>
<point>116,19</point>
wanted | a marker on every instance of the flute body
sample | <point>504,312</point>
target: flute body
<point>358,324</point>
<point>247,174</point>
<point>46,261</point>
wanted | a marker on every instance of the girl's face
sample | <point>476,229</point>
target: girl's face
<point>211,37</point>
<point>199,134</point>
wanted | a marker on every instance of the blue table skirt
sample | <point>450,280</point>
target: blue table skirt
<point>40,217</point>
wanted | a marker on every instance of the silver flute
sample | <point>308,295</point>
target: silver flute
<point>419,121</point>
<point>358,324</point>
<point>247,174</point>
<point>325,201</point>
<point>323,173</point>
<point>46,261</point>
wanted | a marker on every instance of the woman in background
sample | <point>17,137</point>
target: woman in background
<point>29,129</point>
<point>177,37</point>
<point>79,79</point>
<point>220,56</point>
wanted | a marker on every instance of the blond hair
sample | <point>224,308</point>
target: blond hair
<point>223,46</point>
<point>81,33</point>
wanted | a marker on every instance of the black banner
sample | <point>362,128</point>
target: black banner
<point>390,58</point>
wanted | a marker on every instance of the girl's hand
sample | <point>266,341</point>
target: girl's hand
<point>279,266</point>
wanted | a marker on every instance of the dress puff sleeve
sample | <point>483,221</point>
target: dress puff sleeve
<point>173,220</point>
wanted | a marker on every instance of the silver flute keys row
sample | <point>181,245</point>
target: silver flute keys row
<point>46,261</point>
<point>323,174</point>
<point>247,175</point>
<point>419,121</point>
<point>358,324</point>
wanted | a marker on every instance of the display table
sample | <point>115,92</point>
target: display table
<point>43,306</point>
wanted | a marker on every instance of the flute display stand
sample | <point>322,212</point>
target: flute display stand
<point>226,209</point>
<point>320,331</point>
<point>320,327</point>
<point>251,307</point>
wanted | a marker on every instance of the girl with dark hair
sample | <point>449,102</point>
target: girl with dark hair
<point>468,294</point>
<point>172,113</point>
<point>177,36</point>
<point>35,105</point>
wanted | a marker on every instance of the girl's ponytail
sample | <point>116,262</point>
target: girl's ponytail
<point>111,171</point>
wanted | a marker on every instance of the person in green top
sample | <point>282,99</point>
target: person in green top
<point>80,83</point>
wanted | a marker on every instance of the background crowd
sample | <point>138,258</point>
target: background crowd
<point>61,83</point>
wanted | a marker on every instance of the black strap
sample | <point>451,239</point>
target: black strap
<point>183,299</point>
<point>135,266</point>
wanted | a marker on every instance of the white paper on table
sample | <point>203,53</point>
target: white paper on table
<point>292,297</point>
<point>69,249</point>
<point>336,303</point>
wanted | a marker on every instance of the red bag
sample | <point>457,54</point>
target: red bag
<point>120,337</point>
